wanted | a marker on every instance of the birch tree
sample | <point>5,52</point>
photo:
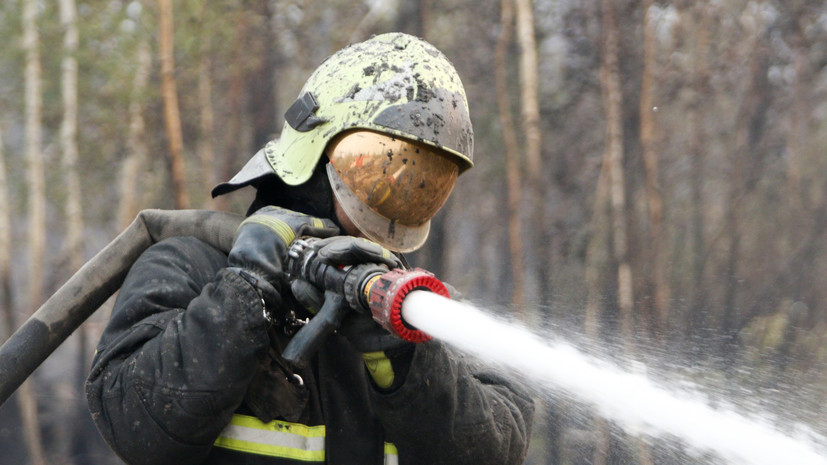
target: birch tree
<point>73,206</point>
<point>605,195</point>
<point>68,135</point>
<point>530,104</point>
<point>37,208</point>
<point>34,155</point>
<point>613,104</point>
<point>138,154</point>
<point>530,112</point>
<point>614,154</point>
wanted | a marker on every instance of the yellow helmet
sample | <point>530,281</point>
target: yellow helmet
<point>392,85</point>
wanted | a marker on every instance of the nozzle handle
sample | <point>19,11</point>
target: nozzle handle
<point>312,335</point>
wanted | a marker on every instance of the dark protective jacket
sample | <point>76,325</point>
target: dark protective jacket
<point>187,371</point>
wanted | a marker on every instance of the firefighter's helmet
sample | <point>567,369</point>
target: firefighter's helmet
<point>392,115</point>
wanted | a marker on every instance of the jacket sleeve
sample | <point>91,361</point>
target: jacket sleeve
<point>177,355</point>
<point>451,410</point>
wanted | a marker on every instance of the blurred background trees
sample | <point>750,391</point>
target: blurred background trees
<point>649,175</point>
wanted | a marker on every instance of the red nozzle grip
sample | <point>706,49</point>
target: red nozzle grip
<point>386,293</point>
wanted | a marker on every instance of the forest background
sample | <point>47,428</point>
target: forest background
<point>650,179</point>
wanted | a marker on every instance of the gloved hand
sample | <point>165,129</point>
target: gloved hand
<point>386,356</point>
<point>341,251</point>
<point>349,250</point>
<point>361,331</point>
<point>260,247</point>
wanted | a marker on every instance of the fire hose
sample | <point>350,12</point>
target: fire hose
<point>98,280</point>
<point>368,288</point>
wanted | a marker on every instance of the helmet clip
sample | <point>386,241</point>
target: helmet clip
<point>300,115</point>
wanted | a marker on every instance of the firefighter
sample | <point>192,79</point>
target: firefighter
<point>189,367</point>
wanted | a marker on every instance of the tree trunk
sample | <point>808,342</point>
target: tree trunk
<point>597,253</point>
<point>37,210</point>
<point>238,143</point>
<point>206,148</point>
<point>425,7</point>
<point>696,318</point>
<point>595,261</point>
<point>656,256</point>
<point>34,156</point>
<point>138,154</point>
<point>171,112</point>
<point>73,206</point>
<point>745,164</point>
<point>68,135</point>
<point>512,153</point>
<point>732,218</point>
<point>283,59</point>
<point>6,303</point>
<point>529,90</point>
<point>799,112</point>
<point>235,102</point>
<point>530,105</point>
<point>25,395</point>
<point>613,102</point>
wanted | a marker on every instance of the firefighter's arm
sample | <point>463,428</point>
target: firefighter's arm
<point>447,411</point>
<point>177,356</point>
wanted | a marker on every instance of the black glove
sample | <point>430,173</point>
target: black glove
<point>387,356</point>
<point>349,250</point>
<point>359,328</point>
<point>260,247</point>
<point>340,251</point>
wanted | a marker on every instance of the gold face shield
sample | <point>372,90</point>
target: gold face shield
<point>388,186</point>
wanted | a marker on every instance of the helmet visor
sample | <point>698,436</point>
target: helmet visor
<point>403,182</point>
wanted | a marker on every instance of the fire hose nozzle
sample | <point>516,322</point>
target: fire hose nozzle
<point>366,288</point>
<point>384,294</point>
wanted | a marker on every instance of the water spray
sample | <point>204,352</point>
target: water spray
<point>631,400</point>
<point>413,305</point>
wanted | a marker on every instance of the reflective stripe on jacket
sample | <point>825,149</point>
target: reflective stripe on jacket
<point>282,439</point>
